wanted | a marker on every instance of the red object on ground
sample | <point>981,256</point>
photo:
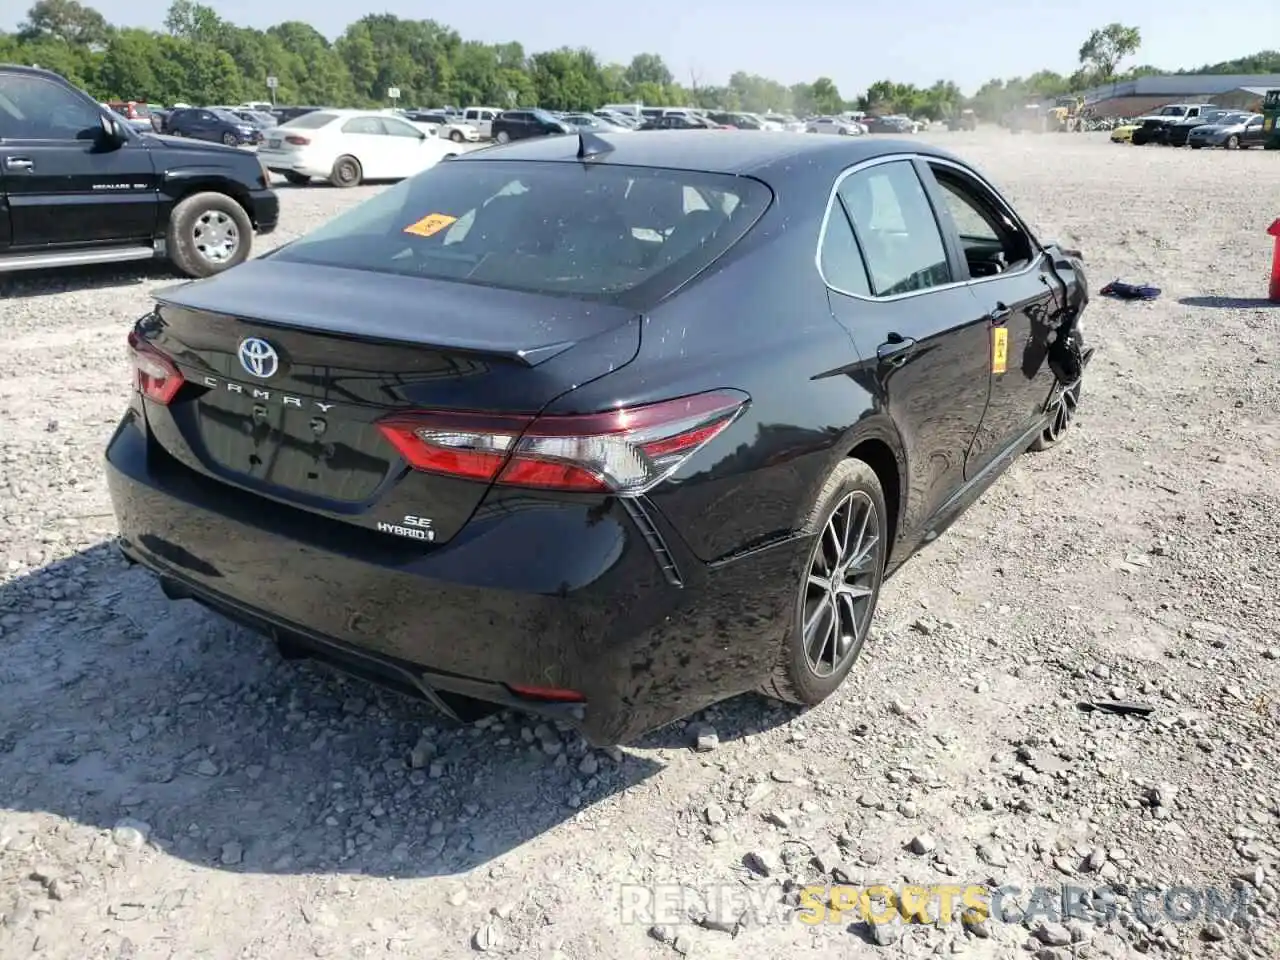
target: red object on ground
<point>1274,293</point>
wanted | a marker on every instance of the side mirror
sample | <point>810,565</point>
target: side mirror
<point>112,131</point>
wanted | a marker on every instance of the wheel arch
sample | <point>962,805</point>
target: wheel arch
<point>877,444</point>
<point>182,184</point>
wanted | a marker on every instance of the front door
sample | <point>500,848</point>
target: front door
<point>405,146</point>
<point>64,181</point>
<point>894,286</point>
<point>1014,291</point>
<point>1254,135</point>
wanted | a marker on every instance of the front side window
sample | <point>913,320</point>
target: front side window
<point>34,108</point>
<point>896,227</point>
<point>993,241</point>
<point>558,228</point>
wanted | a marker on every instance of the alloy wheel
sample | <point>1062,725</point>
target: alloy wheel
<point>215,236</point>
<point>346,172</point>
<point>1061,410</point>
<point>840,585</point>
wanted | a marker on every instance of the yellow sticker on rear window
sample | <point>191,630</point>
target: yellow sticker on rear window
<point>431,224</point>
<point>999,350</point>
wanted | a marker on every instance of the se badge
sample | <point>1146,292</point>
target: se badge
<point>431,224</point>
<point>999,350</point>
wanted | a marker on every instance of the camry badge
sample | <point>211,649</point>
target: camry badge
<point>259,358</point>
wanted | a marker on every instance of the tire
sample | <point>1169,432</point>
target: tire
<point>229,139</point>
<point>297,179</point>
<point>1195,147</point>
<point>503,136</point>
<point>207,234</point>
<point>1233,142</point>
<point>456,136</point>
<point>346,172</point>
<point>796,679</point>
<point>1061,411</point>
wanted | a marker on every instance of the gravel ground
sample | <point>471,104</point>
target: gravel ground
<point>170,788</point>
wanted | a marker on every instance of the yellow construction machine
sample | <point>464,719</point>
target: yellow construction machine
<point>1067,115</point>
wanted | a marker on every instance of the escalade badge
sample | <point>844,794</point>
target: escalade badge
<point>259,358</point>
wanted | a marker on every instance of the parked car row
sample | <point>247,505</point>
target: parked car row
<point>1194,125</point>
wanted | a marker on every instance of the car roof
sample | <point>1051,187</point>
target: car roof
<point>770,155</point>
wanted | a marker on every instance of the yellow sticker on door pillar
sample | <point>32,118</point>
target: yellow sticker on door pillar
<point>431,224</point>
<point>999,350</point>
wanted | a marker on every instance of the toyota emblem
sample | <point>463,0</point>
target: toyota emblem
<point>259,358</point>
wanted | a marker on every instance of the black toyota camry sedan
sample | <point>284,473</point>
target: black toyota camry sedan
<point>606,428</point>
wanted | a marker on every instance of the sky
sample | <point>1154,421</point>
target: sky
<point>855,44</point>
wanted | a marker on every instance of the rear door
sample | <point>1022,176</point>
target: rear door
<point>362,137</point>
<point>64,183</point>
<point>896,287</point>
<point>1014,292</point>
<point>6,228</point>
<point>517,124</point>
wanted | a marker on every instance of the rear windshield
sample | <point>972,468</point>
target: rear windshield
<point>586,231</point>
<point>311,121</point>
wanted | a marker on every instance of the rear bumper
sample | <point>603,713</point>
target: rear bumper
<point>305,163</point>
<point>595,596</point>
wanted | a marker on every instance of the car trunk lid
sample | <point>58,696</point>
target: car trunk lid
<point>289,367</point>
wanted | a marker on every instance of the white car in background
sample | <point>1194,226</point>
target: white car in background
<point>835,125</point>
<point>348,147</point>
<point>786,121</point>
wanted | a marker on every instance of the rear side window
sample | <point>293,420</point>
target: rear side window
<point>617,233</point>
<point>842,264</point>
<point>311,121</point>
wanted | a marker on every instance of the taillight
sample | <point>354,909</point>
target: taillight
<point>548,694</point>
<point>626,451</point>
<point>156,377</point>
<point>297,141</point>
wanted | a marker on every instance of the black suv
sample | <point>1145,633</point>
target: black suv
<point>522,124</point>
<point>77,186</point>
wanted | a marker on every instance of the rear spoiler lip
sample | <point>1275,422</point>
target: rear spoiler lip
<point>527,356</point>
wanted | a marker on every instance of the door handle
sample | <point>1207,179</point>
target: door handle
<point>895,351</point>
<point>18,163</point>
<point>999,315</point>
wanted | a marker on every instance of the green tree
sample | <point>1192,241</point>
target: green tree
<point>64,20</point>
<point>1107,46</point>
<point>825,96</point>
<point>649,68</point>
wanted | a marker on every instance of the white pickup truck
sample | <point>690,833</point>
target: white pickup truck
<point>481,118</point>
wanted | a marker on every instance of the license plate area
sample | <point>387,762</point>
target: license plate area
<point>301,447</point>
<point>274,143</point>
